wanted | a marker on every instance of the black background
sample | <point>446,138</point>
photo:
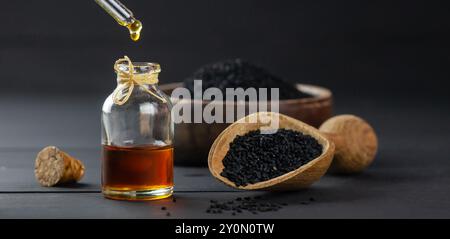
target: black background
<point>394,50</point>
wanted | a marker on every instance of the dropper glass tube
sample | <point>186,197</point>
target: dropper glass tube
<point>123,16</point>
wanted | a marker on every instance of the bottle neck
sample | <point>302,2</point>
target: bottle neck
<point>131,75</point>
<point>143,79</point>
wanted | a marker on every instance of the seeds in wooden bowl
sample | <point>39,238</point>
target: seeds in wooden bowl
<point>237,73</point>
<point>256,157</point>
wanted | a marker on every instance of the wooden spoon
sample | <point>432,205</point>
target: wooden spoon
<point>299,178</point>
<point>338,129</point>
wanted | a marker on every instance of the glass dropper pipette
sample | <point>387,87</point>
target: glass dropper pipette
<point>123,16</point>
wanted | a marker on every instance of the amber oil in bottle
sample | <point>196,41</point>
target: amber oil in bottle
<point>137,169</point>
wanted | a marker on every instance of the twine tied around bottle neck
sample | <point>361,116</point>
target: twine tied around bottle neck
<point>128,79</point>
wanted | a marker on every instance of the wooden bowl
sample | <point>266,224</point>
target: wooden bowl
<point>294,180</point>
<point>193,141</point>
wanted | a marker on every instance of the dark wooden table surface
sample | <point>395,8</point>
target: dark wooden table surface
<point>410,178</point>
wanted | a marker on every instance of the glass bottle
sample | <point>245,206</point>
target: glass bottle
<point>137,135</point>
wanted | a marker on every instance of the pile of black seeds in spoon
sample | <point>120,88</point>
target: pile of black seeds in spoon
<point>239,73</point>
<point>256,157</point>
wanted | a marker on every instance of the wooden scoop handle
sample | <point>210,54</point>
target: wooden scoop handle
<point>355,141</point>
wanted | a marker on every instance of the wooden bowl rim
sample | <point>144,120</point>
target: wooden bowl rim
<point>318,93</point>
<point>302,127</point>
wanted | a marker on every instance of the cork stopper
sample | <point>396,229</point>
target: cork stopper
<point>54,166</point>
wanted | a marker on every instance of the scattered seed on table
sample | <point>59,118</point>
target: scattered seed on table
<point>238,205</point>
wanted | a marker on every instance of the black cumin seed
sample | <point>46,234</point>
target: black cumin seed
<point>243,205</point>
<point>256,157</point>
<point>240,73</point>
